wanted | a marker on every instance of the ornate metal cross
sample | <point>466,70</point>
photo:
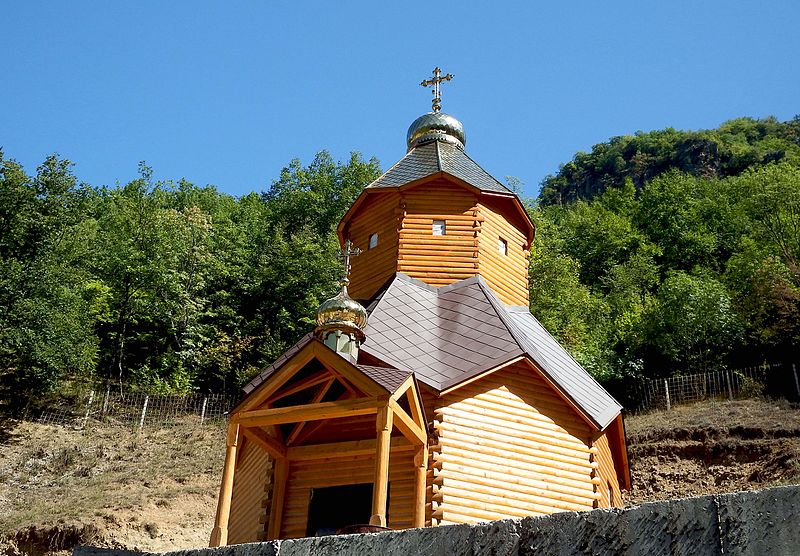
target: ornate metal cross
<point>344,256</point>
<point>437,79</point>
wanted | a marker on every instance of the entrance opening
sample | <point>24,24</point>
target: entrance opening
<point>332,508</point>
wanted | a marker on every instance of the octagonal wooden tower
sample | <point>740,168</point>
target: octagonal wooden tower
<point>439,217</point>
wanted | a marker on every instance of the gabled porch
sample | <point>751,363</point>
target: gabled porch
<point>324,422</point>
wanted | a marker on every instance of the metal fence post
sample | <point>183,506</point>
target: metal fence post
<point>88,408</point>
<point>729,377</point>
<point>106,397</point>
<point>796,382</point>
<point>144,411</point>
<point>666,391</point>
<point>203,411</point>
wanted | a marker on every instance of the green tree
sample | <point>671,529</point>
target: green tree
<point>692,325</point>
<point>45,327</point>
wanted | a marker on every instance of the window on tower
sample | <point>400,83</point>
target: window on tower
<point>373,241</point>
<point>439,228</point>
<point>502,246</point>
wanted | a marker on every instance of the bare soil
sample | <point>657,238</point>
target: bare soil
<point>108,486</point>
<point>712,448</point>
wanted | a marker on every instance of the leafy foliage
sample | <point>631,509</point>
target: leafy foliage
<point>168,286</point>
<point>655,254</point>
<point>693,265</point>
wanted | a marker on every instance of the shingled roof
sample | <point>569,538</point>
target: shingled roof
<point>450,334</point>
<point>432,158</point>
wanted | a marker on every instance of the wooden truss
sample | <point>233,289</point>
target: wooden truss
<point>262,415</point>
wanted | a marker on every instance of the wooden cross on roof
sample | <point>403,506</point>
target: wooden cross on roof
<point>435,81</point>
<point>345,255</point>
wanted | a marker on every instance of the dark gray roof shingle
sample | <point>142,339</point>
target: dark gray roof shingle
<point>432,158</point>
<point>390,379</point>
<point>462,330</point>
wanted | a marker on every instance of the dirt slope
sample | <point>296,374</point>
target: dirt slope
<point>109,486</point>
<point>713,447</point>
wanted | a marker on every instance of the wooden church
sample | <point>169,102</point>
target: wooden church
<point>438,398</point>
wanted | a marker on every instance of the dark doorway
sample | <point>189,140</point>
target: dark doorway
<point>332,508</point>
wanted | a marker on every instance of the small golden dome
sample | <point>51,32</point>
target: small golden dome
<point>436,126</point>
<point>342,312</point>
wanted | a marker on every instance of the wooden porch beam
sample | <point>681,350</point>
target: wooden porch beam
<point>349,448</point>
<point>380,485</point>
<point>310,412</point>
<point>407,426</point>
<point>416,408</point>
<point>316,399</point>
<point>407,383</point>
<point>340,366</point>
<point>308,382</point>
<point>219,534</point>
<point>269,444</point>
<point>274,382</point>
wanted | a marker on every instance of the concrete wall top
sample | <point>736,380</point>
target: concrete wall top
<point>754,522</point>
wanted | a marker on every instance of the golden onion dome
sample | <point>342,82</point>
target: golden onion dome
<point>436,126</point>
<point>342,312</point>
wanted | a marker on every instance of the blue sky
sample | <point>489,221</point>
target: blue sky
<point>227,93</point>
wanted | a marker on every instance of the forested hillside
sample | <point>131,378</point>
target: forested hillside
<point>170,287</point>
<point>680,254</point>
<point>660,253</point>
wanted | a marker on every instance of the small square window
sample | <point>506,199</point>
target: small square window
<point>439,228</point>
<point>373,241</point>
<point>502,246</point>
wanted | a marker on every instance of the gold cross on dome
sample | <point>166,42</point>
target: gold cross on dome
<point>344,256</point>
<point>435,81</point>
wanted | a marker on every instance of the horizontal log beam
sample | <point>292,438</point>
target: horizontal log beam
<point>310,412</point>
<point>342,449</point>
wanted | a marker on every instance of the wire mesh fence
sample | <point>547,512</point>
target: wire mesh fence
<point>85,404</point>
<point>137,409</point>
<point>747,382</point>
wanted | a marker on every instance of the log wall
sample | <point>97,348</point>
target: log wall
<point>508,446</point>
<point>609,488</point>
<point>379,214</point>
<point>438,260</point>
<point>404,220</point>
<point>507,274</point>
<point>250,484</point>
<point>305,475</point>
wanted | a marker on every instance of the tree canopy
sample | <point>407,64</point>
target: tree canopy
<point>656,254</point>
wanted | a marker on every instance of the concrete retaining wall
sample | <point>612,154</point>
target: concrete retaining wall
<point>765,522</point>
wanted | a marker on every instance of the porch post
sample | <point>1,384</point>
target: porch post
<point>383,426</point>
<point>279,475</point>
<point>219,535</point>
<point>420,484</point>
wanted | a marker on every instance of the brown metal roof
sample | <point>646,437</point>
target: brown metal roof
<point>445,336</point>
<point>438,333</point>
<point>450,334</point>
<point>391,379</point>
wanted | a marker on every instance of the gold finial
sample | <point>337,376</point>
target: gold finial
<point>344,255</point>
<point>437,79</point>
